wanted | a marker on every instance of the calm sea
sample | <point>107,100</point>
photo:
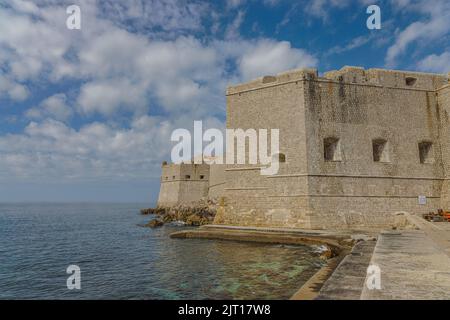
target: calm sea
<point>121,260</point>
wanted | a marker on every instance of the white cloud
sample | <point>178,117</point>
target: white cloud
<point>321,8</point>
<point>53,151</point>
<point>120,74</point>
<point>14,90</point>
<point>54,107</point>
<point>121,70</point>
<point>30,45</point>
<point>353,44</point>
<point>436,63</point>
<point>270,57</point>
<point>431,29</point>
<point>169,15</point>
<point>109,96</point>
<point>235,3</point>
<point>232,31</point>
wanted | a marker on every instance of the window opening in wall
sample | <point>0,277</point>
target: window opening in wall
<point>332,149</point>
<point>426,152</point>
<point>281,157</point>
<point>410,81</point>
<point>380,150</point>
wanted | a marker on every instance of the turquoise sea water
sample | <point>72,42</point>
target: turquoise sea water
<point>121,260</point>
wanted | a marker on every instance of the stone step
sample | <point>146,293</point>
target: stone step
<point>348,279</point>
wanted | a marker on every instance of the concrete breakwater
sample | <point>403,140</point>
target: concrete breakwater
<point>334,246</point>
<point>194,214</point>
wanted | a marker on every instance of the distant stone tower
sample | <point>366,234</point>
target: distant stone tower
<point>183,183</point>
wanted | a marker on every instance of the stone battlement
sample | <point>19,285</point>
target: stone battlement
<point>350,75</point>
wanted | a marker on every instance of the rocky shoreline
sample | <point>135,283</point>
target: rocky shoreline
<point>195,214</point>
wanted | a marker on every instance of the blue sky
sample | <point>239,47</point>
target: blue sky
<point>86,115</point>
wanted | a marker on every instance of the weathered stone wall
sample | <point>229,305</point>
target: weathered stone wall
<point>444,108</point>
<point>355,106</point>
<point>253,199</point>
<point>356,190</point>
<point>170,185</point>
<point>352,106</point>
<point>216,180</point>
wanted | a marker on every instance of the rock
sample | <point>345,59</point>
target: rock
<point>323,251</point>
<point>157,211</point>
<point>169,218</point>
<point>193,220</point>
<point>146,211</point>
<point>348,242</point>
<point>194,214</point>
<point>155,223</point>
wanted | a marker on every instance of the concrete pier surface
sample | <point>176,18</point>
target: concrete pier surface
<point>414,265</point>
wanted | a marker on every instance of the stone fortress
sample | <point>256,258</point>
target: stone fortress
<point>357,147</point>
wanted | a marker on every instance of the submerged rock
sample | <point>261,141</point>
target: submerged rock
<point>155,223</point>
<point>323,251</point>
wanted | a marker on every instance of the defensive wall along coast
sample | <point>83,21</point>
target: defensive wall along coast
<point>358,146</point>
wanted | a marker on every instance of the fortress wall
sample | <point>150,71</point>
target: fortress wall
<point>194,182</point>
<point>268,103</point>
<point>362,212</point>
<point>265,201</point>
<point>353,105</point>
<point>357,189</point>
<point>444,108</point>
<point>216,180</point>
<point>357,115</point>
<point>388,78</point>
<point>356,106</point>
<point>170,185</point>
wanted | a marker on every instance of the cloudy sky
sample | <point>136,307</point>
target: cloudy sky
<point>86,115</point>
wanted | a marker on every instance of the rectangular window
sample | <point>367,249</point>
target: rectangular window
<point>380,150</point>
<point>202,177</point>
<point>187,176</point>
<point>426,152</point>
<point>332,149</point>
